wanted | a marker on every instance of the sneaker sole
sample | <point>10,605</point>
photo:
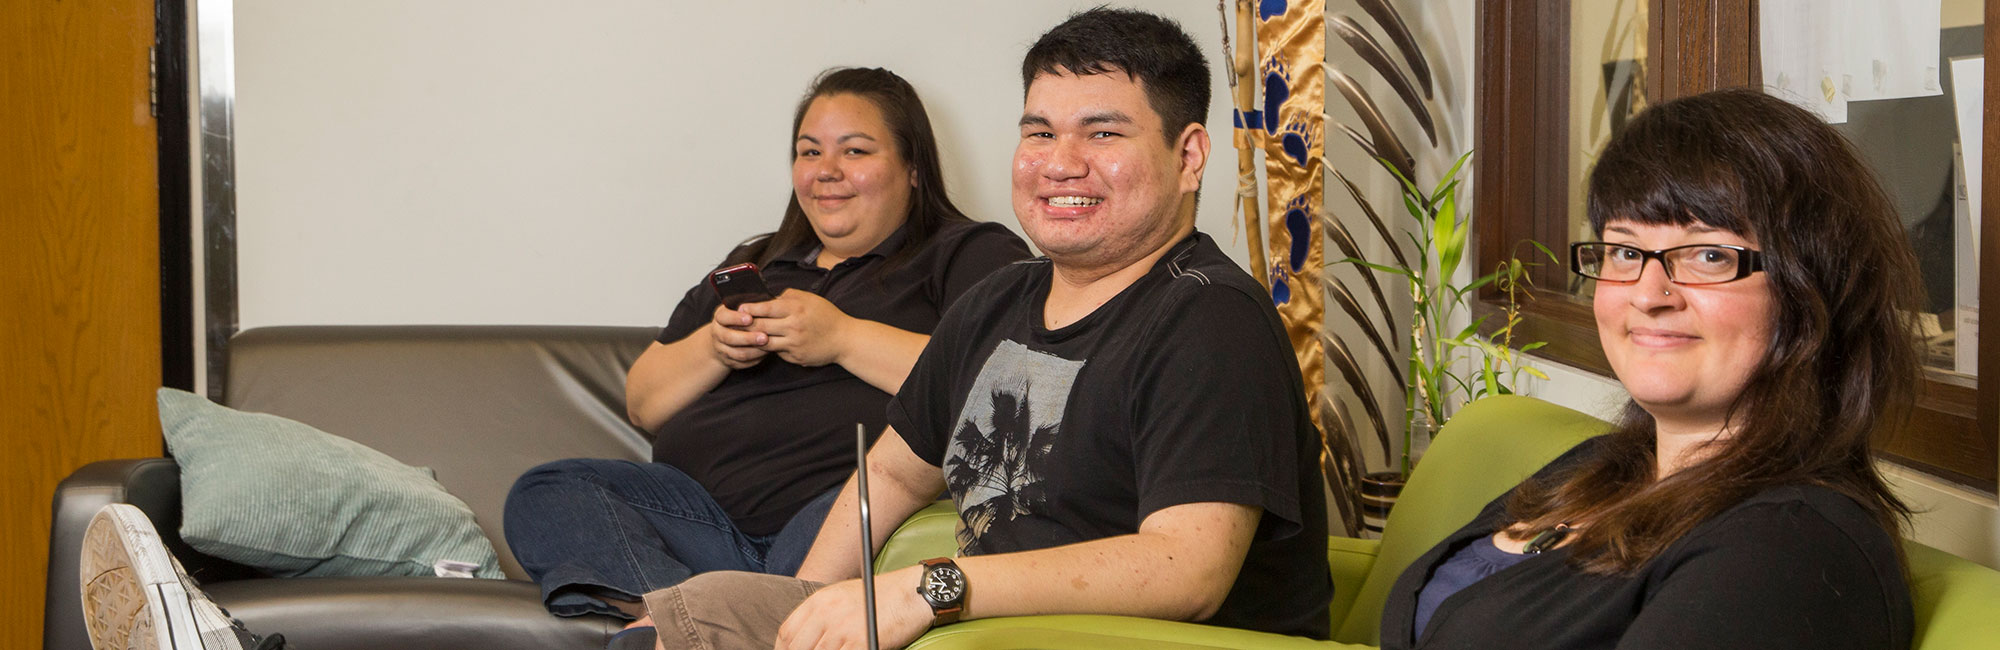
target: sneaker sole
<point>133,599</point>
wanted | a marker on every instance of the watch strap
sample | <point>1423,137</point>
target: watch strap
<point>943,613</point>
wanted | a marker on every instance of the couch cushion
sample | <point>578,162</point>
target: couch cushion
<point>479,405</point>
<point>433,614</point>
<point>278,495</point>
<point>1484,451</point>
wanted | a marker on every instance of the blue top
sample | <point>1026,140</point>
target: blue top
<point>1466,566</point>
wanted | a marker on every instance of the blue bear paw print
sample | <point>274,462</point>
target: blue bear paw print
<point>1298,140</point>
<point>1268,9</point>
<point>1299,226</point>
<point>1277,89</point>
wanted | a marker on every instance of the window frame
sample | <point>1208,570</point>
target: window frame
<point>1521,95</point>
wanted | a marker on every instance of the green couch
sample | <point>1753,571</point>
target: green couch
<point>1486,449</point>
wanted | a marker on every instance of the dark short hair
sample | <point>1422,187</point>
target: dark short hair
<point>1150,49</point>
<point>910,129</point>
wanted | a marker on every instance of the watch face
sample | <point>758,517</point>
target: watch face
<point>943,585</point>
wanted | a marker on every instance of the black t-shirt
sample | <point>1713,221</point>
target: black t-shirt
<point>1796,566</point>
<point>771,437</point>
<point>1182,389</point>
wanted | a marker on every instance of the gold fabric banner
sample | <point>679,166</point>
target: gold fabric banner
<point>1291,37</point>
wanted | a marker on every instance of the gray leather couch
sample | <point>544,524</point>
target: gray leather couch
<point>478,404</point>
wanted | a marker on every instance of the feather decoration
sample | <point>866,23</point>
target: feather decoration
<point>1381,229</point>
<point>1372,52</point>
<point>1337,231</point>
<point>1337,356</point>
<point>1348,304</point>
<point>1389,147</point>
<point>1358,139</point>
<point>1399,34</point>
<point>1341,463</point>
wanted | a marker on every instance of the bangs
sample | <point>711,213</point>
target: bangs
<point>1657,174</point>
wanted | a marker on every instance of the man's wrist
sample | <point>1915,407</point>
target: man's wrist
<point>944,589</point>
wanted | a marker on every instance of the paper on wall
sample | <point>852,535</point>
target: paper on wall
<point>1821,54</point>
<point>1801,61</point>
<point>1891,47</point>
<point>1968,79</point>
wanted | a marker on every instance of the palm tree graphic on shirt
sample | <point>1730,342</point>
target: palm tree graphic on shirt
<point>999,463</point>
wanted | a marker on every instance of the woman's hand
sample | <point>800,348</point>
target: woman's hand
<point>736,345</point>
<point>836,616</point>
<point>802,327</point>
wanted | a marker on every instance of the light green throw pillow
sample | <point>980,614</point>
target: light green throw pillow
<point>275,494</point>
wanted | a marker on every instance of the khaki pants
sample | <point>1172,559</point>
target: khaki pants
<point>726,610</point>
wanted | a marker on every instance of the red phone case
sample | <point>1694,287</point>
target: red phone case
<point>739,284</point>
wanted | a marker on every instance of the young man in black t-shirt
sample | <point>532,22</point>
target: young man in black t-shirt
<point>1120,425</point>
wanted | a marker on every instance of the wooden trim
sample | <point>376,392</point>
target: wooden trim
<point>1706,44</point>
<point>1987,427</point>
<point>1522,171</point>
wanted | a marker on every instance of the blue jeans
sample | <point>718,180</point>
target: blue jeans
<point>586,528</point>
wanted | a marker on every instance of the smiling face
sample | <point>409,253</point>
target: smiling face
<point>1096,182</point>
<point>851,181</point>
<point>1684,353</point>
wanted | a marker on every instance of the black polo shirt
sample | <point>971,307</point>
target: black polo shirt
<point>771,437</point>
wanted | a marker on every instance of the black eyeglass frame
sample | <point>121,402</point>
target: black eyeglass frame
<point>1749,261</point>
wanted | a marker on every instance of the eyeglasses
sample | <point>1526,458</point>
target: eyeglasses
<point>1694,264</point>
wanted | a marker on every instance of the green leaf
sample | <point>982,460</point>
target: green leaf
<point>1531,347</point>
<point>1453,172</point>
<point>1451,240</point>
<point>1379,267</point>
<point>1471,329</point>
<point>1545,251</point>
<point>1537,373</point>
<point>1444,190</point>
<point>1409,188</point>
<point>1481,281</point>
<point>1416,212</point>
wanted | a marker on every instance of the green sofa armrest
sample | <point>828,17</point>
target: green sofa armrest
<point>1096,632</point>
<point>931,532</point>
<point>1350,561</point>
<point>1954,598</point>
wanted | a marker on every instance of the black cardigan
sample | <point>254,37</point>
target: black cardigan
<point>1795,566</point>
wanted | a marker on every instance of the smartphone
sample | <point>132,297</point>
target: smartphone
<point>739,284</point>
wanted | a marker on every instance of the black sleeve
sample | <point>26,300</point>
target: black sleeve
<point>1778,575</point>
<point>1219,409</point>
<point>921,410</point>
<point>696,309</point>
<point>986,248</point>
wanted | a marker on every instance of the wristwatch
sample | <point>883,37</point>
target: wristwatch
<point>943,586</point>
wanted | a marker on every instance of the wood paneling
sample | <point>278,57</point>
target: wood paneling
<point>79,268</point>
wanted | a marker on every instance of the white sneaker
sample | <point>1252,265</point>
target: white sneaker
<point>136,596</point>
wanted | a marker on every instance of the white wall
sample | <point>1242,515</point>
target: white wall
<point>522,162</point>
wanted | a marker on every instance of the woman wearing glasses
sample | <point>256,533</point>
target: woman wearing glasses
<point>1753,292</point>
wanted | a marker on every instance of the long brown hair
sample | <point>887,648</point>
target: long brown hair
<point>910,127</point>
<point>1842,352</point>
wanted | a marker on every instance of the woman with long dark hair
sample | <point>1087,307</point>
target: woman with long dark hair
<point>754,407</point>
<point>1754,291</point>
